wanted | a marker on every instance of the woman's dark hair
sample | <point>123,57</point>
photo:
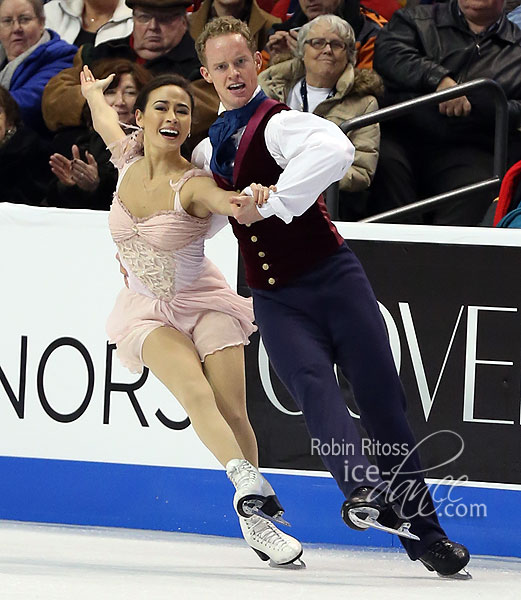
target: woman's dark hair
<point>161,81</point>
<point>10,107</point>
<point>121,66</point>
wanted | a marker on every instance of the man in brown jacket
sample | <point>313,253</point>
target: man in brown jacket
<point>259,21</point>
<point>160,41</point>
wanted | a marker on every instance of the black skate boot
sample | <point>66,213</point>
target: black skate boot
<point>365,508</point>
<point>448,559</point>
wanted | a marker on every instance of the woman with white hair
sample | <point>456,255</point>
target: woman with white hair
<point>322,79</point>
<point>30,55</point>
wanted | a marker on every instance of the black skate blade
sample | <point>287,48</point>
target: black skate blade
<point>462,575</point>
<point>261,555</point>
<point>371,515</point>
<point>296,565</point>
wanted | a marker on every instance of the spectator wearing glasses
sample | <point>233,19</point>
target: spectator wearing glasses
<point>30,55</point>
<point>89,21</point>
<point>365,23</point>
<point>159,41</point>
<point>322,79</point>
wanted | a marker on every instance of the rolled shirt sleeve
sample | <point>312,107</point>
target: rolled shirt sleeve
<point>313,153</point>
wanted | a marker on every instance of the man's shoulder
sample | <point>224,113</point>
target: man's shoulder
<point>116,48</point>
<point>185,50</point>
<point>202,153</point>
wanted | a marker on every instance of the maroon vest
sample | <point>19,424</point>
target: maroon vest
<point>275,252</point>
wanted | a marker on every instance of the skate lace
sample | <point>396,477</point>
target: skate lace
<point>242,474</point>
<point>268,535</point>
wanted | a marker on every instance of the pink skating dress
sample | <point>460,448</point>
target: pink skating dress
<point>171,282</point>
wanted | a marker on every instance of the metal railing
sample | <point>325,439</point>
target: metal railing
<point>397,110</point>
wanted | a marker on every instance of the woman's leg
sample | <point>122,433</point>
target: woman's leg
<point>224,371</point>
<point>172,358</point>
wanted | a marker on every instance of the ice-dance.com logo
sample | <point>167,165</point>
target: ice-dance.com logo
<point>402,485</point>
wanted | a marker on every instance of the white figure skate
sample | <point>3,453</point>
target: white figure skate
<point>271,544</point>
<point>254,495</point>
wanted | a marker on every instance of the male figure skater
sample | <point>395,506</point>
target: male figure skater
<point>313,303</point>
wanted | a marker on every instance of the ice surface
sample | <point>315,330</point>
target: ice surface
<point>51,562</point>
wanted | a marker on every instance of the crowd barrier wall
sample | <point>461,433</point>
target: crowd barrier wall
<point>84,441</point>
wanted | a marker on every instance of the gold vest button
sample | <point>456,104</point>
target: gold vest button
<point>265,266</point>
<point>253,238</point>
<point>262,254</point>
<point>271,281</point>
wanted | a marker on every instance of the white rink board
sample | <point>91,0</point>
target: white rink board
<point>60,279</point>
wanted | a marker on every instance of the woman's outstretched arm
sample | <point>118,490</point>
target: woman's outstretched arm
<point>104,117</point>
<point>207,197</point>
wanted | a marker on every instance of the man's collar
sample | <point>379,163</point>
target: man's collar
<point>223,109</point>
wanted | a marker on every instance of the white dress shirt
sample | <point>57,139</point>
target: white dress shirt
<point>312,152</point>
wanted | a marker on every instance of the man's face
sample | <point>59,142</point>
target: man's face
<point>314,8</point>
<point>482,12</point>
<point>157,31</point>
<point>232,68</point>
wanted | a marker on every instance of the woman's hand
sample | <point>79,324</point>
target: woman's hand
<point>61,167</point>
<point>76,171</point>
<point>90,84</point>
<point>282,42</point>
<point>245,207</point>
<point>84,174</point>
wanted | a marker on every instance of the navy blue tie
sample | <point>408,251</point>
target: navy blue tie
<point>221,132</point>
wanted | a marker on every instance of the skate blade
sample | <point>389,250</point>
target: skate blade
<point>279,519</point>
<point>296,565</point>
<point>370,521</point>
<point>460,575</point>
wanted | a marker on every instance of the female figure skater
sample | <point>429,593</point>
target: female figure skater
<point>178,316</point>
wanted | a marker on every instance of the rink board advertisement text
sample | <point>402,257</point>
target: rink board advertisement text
<point>85,441</point>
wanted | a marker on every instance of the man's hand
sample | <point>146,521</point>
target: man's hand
<point>458,107</point>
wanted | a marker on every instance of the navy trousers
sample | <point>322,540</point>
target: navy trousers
<point>330,316</point>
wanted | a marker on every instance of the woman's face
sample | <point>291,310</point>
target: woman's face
<point>327,62</point>
<point>122,98</point>
<point>19,27</point>
<point>167,117</point>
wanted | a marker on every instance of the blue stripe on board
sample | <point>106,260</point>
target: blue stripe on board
<point>200,501</point>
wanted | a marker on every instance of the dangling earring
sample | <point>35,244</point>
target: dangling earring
<point>189,134</point>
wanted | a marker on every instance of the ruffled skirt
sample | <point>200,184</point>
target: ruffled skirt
<point>208,312</point>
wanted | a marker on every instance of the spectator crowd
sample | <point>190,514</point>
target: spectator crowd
<point>336,58</point>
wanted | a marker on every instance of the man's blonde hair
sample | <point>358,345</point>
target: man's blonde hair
<point>222,26</point>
